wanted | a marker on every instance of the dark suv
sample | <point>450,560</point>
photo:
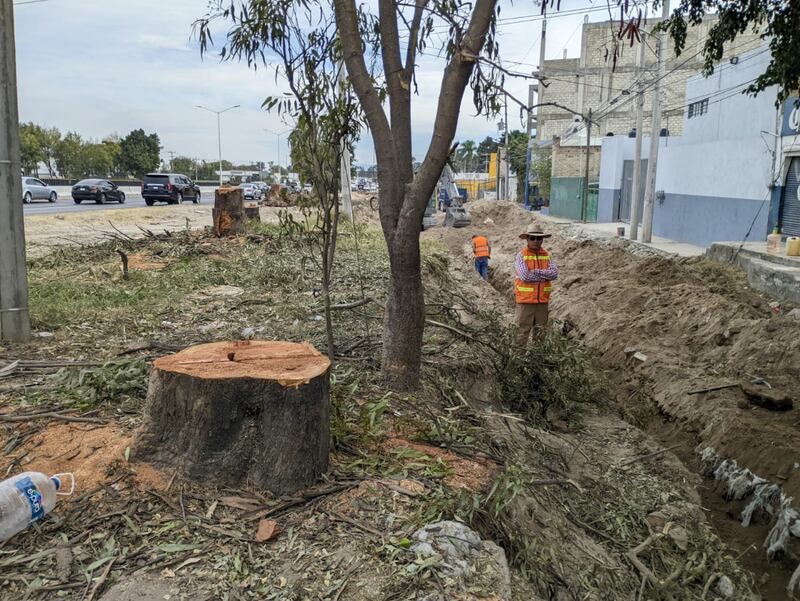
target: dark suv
<point>172,188</point>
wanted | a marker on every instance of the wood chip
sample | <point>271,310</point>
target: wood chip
<point>267,530</point>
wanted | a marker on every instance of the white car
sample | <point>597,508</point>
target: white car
<point>36,189</point>
<point>251,191</point>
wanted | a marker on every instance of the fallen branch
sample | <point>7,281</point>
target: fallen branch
<point>51,415</point>
<point>356,523</point>
<point>98,585</point>
<point>354,305</point>
<point>558,482</point>
<point>712,388</point>
<point>649,455</point>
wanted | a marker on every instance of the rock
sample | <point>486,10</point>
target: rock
<point>679,536</point>
<point>465,558</point>
<point>725,587</point>
<point>45,334</point>
<point>768,398</point>
<point>247,333</point>
<point>214,325</point>
<point>794,314</point>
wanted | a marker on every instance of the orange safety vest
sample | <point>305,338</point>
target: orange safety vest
<point>534,292</point>
<point>480,246</point>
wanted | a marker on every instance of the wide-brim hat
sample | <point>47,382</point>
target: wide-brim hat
<point>534,231</point>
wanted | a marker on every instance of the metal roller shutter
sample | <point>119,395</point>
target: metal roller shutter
<point>790,201</point>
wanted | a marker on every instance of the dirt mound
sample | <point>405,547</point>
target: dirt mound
<point>91,453</point>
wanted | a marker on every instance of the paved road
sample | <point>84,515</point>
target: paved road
<point>133,200</point>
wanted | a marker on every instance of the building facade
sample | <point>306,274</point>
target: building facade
<point>733,173</point>
<point>596,82</point>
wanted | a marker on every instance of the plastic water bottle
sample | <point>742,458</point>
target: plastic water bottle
<point>26,498</point>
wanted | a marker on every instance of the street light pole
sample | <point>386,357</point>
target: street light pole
<point>279,134</point>
<point>219,132</point>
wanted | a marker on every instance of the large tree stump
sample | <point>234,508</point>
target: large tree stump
<point>252,212</point>
<point>232,413</point>
<point>228,212</point>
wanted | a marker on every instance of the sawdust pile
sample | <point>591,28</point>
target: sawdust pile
<point>90,453</point>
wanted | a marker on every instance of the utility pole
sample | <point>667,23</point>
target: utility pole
<point>171,154</point>
<point>15,321</point>
<point>585,199</point>
<point>531,89</point>
<point>637,157</point>
<point>507,179</point>
<point>655,132</point>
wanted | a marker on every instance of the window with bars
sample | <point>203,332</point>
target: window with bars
<point>698,108</point>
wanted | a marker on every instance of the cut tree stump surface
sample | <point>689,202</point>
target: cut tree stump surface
<point>288,363</point>
<point>239,413</point>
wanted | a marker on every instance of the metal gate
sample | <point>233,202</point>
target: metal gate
<point>790,201</point>
<point>627,186</point>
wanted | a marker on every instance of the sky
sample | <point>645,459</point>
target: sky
<point>99,67</point>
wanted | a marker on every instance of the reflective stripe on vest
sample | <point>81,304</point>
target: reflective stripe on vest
<point>533,292</point>
<point>480,246</point>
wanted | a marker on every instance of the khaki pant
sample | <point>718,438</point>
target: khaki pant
<point>530,316</point>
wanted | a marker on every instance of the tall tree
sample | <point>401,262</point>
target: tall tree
<point>49,138</point>
<point>381,64</point>
<point>31,152</point>
<point>468,153</point>
<point>139,153</point>
<point>69,155</point>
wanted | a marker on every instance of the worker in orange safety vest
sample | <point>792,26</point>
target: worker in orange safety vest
<point>535,270</point>
<point>482,251</point>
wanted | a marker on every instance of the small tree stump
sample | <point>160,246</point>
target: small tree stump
<point>236,413</point>
<point>252,212</point>
<point>228,212</point>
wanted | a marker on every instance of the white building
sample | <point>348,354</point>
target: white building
<point>732,174</point>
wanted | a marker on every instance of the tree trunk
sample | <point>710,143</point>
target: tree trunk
<point>228,212</point>
<point>239,413</point>
<point>252,213</point>
<point>404,320</point>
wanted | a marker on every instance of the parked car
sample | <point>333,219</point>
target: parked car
<point>251,191</point>
<point>98,190</point>
<point>172,188</point>
<point>36,189</point>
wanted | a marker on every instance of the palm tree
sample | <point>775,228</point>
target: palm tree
<point>466,155</point>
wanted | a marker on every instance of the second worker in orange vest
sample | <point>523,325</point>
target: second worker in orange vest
<point>535,270</point>
<point>482,251</point>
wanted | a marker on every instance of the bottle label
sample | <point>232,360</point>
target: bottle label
<point>34,497</point>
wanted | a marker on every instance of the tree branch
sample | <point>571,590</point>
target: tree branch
<point>454,82</point>
<point>413,41</point>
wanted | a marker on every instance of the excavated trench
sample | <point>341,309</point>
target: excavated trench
<point>661,328</point>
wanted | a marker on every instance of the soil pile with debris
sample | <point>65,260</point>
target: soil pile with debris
<point>685,336</point>
<point>582,504</point>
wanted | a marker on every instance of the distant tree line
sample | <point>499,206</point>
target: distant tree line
<point>207,170</point>
<point>71,156</point>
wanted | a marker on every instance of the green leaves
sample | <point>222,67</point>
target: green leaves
<point>139,153</point>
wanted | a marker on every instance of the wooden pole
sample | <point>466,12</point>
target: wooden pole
<point>15,324</point>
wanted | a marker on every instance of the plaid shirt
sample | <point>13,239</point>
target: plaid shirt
<point>535,275</point>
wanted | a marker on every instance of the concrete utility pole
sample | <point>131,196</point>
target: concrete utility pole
<point>15,321</point>
<point>507,178</point>
<point>531,89</point>
<point>655,133</point>
<point>633,234</point>
<point>585,199</point>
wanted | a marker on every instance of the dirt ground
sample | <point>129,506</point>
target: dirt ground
<point>697,324</point>
<point>593,509</point>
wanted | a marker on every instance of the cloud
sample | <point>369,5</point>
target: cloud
<point>103,66</point>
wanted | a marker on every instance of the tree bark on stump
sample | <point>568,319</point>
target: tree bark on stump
<point>252,212</point>
<point>228,212</point>
<point>236,413</point>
